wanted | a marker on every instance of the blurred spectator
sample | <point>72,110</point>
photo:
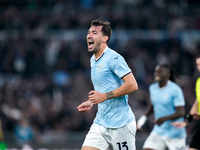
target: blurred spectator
<point>23,132</point>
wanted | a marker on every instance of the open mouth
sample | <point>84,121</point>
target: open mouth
<point>90,44</point>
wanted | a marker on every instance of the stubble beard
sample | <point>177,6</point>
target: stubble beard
<point>96,49</point>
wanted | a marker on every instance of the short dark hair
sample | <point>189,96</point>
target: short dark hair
<point>106,29</point>
<point>197,56</point>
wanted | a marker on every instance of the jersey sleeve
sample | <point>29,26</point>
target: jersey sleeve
<point>178,97</point>
<point>119,66</point>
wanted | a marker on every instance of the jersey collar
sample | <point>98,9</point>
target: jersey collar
<point>101,54</point>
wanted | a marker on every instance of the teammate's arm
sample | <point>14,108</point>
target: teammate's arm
<point>180,112</point>
<point>149,110</point>
<point>141,121</point>
<point>193,114</point>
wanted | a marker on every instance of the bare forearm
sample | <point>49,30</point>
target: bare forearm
<point>180,112</point>
<point>124,89</point>
<point>174,116</point>
<point>149,110</point>
<point>129,86</point>
<point>110,95</point>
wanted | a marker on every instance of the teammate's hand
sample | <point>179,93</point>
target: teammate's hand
<point>96,97</point>
<point>179,124</point>
<point>85,107</point>
<point>139,129</point>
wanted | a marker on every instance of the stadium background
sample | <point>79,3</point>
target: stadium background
<point>44,62</point>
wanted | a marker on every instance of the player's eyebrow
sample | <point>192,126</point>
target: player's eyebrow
<point>93,31</point>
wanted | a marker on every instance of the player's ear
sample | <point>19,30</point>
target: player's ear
<point>105,38</point>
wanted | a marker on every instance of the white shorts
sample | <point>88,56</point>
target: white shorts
<point>157,142</point>
<point>120,138</point>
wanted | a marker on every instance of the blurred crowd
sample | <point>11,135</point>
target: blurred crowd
<point>44,62</point>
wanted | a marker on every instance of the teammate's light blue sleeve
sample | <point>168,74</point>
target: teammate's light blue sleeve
<point>178,97</point>
<point>119,66</point>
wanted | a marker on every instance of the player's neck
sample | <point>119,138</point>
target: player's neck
<point>100,51</point>
<point>163,83</point>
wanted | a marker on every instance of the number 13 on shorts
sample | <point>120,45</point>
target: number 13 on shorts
<point>121,145</point>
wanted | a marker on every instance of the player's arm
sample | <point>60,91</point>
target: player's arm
<point>189,116</point>
<point>180,112</point>
<point>194,114</point>
<point>149,110</point>
<point>141,121</point>
<point>129,86</point>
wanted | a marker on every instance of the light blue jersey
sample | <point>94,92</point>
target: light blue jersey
<point>107,73</point>
<point>164,101</point>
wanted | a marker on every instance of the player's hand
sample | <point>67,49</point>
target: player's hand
<point>139,129</point>
<point>85,107</point>
<point>178,125</point>
<point>96,97</point>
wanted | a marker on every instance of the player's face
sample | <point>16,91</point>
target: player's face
<point>198,64</point>
<point>160,74</point>
<point>94,38</point>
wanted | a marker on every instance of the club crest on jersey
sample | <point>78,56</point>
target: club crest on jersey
<point>100,66</point>
<point>165,96</point>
